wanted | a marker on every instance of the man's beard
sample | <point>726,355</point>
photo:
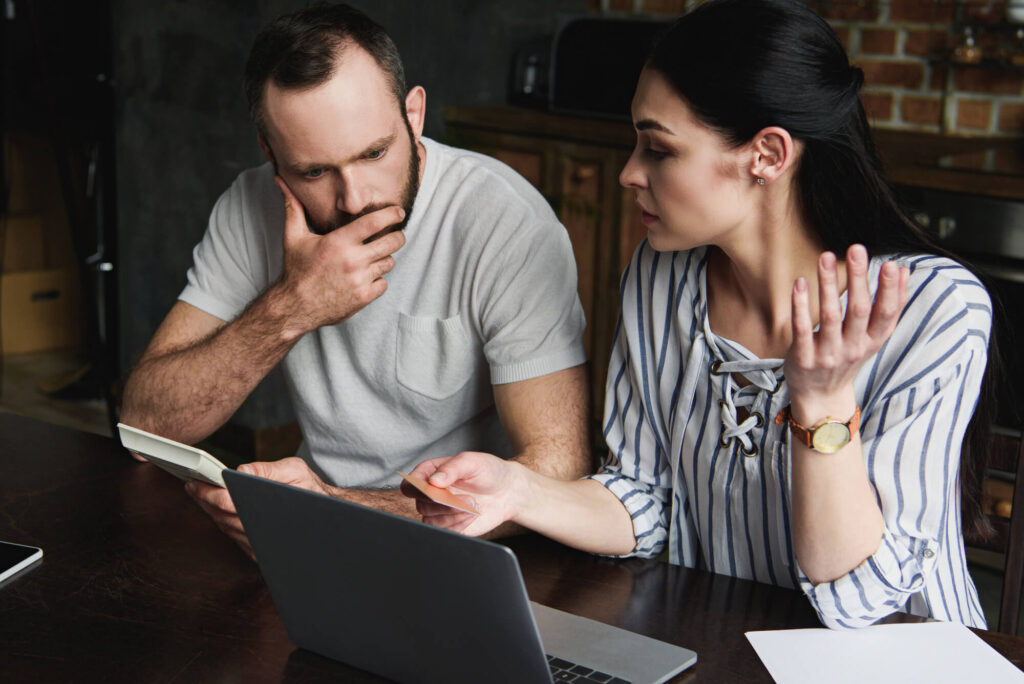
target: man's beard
<point>407,200</point>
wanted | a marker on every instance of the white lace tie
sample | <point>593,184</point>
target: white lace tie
<point>761,373</point>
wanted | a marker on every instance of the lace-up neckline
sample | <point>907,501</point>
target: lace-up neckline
<point>728,358</point>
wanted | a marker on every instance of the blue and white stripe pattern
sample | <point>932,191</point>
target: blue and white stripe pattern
<point>716,489</point>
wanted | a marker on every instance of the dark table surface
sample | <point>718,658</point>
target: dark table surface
<point>136,583</point>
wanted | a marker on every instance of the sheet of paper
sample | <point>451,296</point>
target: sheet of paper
<point>912,652</point>
<point>438,495</point>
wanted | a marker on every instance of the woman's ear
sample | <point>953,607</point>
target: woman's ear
<point>774,152</point>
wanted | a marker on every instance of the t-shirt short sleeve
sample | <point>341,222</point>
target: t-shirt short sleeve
<point>518,263</point>
<point>534,322</point>
<point>225,271</point>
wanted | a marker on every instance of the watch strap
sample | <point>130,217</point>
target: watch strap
<point>806,435</point>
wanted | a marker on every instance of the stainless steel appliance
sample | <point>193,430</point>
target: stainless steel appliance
<point>989,233</point>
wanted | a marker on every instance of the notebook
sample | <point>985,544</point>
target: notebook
<point>180,460</point>
<point>415,603</point>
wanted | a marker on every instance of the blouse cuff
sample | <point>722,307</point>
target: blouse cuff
<point>878,587</point>
<point>646,506</point>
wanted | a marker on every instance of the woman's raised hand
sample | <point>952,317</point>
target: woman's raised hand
<point>484,481</point>
<point>821,366</point>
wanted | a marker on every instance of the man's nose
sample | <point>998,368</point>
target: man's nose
<point>352,195</point>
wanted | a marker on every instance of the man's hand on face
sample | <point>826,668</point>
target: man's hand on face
<point>217,503</point>
<point>328,278</point>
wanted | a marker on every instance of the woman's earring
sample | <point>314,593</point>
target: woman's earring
<point>760,181</point>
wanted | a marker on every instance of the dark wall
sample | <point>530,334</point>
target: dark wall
<point>183,132</point>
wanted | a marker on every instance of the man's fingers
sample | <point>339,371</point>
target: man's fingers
<point>232,526</point>
<point>381,267</point>
<point>216,502</point>
<point>370,224</point>
<point>210,497</point>
<point>294,213</point>
<point>268,470</point>
<point>385,245</point>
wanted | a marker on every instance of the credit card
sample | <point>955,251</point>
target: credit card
<point>438,495</point>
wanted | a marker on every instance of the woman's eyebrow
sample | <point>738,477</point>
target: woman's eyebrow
<point>651,124</point>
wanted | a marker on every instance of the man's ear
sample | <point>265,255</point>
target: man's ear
<point>416,110</point>
<point>774,152</point>
<point>265,146</point>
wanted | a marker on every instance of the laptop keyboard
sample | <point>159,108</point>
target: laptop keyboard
<point>565,671</point>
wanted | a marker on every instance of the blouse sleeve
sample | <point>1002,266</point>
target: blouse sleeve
<point>919,393</point>
<point>637,469</point>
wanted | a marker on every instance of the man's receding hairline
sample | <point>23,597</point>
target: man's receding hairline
<point>344,45</point>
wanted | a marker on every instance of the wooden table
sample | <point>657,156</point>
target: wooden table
<point>137,585</point>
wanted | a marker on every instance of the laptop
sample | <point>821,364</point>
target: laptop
<point>416,603</point>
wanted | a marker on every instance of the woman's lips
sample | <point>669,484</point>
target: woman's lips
<point>647,218</point>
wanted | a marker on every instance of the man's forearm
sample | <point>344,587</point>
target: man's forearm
<point>558,460</point>
<point>185,394</point>
<point>388,500</point>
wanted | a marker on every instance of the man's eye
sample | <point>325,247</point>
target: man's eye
<point>375,154</point>
<point>314,173</point>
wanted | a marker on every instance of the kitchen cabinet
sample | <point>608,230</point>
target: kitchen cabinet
<point>575,163</point>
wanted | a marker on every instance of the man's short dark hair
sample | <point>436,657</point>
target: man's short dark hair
<point>302,50</point>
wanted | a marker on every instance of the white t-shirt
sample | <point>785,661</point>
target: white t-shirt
<point>484,291</point>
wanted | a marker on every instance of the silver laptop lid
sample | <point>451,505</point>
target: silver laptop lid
<point>389,595</point>
<point>415,603</point>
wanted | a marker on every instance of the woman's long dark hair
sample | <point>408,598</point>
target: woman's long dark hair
<point>743,65</point>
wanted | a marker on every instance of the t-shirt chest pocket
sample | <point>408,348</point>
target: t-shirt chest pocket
<point>435,355</point>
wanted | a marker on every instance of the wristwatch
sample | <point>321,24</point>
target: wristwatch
<point>827,436</point>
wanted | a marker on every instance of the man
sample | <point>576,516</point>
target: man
<point>478,326</point>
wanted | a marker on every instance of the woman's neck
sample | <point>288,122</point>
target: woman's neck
<point>751,276</point>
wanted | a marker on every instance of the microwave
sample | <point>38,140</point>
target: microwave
<point>590,67</point>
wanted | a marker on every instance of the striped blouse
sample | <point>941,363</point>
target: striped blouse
<point>715,487</point>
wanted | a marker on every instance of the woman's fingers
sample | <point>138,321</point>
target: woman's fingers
<point>889,301</point>
<point>803,327</point>
<point>824,360</point>
<point>858,294</point>
<point>452,520</point>
<point>830,311</point>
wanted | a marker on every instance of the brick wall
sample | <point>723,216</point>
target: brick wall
<point>905,49</point>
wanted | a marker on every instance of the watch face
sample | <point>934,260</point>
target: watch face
<point>831,437</point>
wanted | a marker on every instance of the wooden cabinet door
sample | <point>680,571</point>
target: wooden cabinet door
<point>527,163</point>
<point>579,208</point>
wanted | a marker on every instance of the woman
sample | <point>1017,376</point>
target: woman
<point>765,418</point>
